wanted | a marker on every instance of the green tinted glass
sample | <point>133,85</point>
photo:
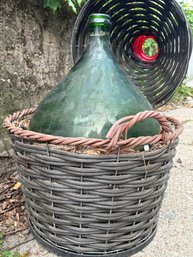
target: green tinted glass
<point>99,20</point>
<point>93,96</point>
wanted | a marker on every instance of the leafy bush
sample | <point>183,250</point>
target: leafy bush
<point>75,4</point>
<point>188,9</point>
<point>57,4</point>
<point>182,93</point>
<point>150,47</point>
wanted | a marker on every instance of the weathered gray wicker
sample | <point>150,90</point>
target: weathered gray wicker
<point>94,205</point>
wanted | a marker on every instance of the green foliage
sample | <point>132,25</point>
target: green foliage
<point>72,5</point>
<point>57,4</point>
<point>75,4</point>
<point>181,93</point>
<point>188,9</point>
<point>9,254</point>
<point>53,4</point>
<point>150,47</point>
<point>1,240</point>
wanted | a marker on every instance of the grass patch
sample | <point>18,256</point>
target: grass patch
<point>182,93</point>
<point>8,253</point>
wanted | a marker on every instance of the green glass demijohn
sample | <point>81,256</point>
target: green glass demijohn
<point>94,95</point>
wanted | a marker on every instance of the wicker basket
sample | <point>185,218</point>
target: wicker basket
<point>83,204</point>
<point>162,19</point>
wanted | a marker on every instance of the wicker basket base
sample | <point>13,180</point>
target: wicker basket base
<point>61,252</point>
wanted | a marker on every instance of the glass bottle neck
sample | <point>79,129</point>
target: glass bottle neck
<point>98,34</point>
<point>99,29</point>
<point>98,44</point>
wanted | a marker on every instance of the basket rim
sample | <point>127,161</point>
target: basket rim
<point>112,140</point>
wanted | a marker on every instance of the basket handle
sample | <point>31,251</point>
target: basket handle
<point>123,125</point>
<point>113,137</point>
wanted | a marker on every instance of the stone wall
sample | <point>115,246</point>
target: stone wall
<point>34,52</point>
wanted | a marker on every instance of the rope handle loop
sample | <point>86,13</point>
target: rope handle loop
<point>167,134</point>
<point>126,123</point>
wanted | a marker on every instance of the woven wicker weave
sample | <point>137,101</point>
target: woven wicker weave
<point>163,19</point>
<point>92,204</point>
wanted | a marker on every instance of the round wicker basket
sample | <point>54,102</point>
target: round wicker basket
<point>90,203</point>
<point>163,20</point>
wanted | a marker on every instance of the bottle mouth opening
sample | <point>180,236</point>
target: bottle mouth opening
<point>100,15</point>
<point>99,19</point>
